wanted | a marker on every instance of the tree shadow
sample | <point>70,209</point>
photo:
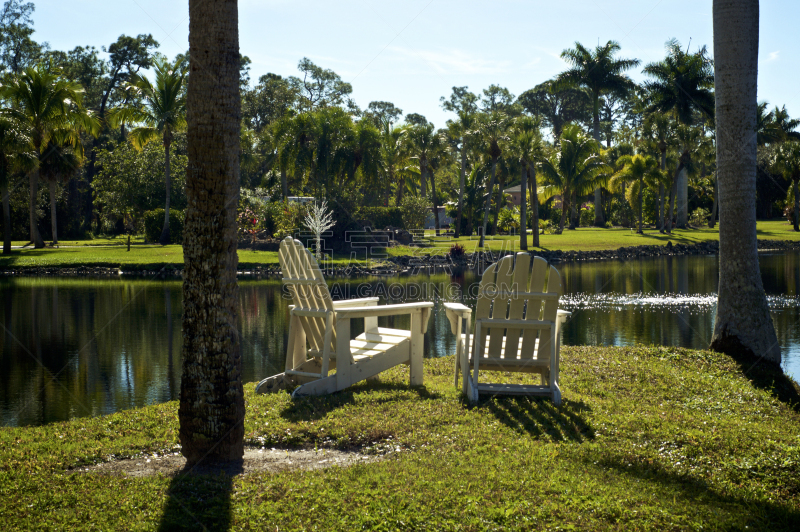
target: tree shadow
<point>312,408</point>
<point>768,376</point>
<point>199,498</point>
<point>539,418</point>
<point>761,515</point>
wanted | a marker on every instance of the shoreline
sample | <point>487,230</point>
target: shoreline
<point>405,264</point>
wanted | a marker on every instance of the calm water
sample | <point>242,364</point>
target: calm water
<point>71,348</point>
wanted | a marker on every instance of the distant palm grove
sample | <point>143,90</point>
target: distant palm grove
<point>96,144</point>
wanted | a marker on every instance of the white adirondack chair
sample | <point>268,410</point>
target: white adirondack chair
<point>517,324</point>
<point>319,332</point>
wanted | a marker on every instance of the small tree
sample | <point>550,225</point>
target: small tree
<point>318,220</point>
<point>414,212</point>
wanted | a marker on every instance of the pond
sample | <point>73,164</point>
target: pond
<point>86,347</point>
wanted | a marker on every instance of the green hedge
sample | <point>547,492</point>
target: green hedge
<point>382,217</point>
<point>154,223</point>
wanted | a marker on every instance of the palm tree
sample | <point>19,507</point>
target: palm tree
<point>62,158</point>
<point>634,171</point>
<point>574,169</point>
<point>426,144</point>
<point>162,113</point>
<point>526,144</point>
<point>211,411</point>
<point>394,157</point>
<point>15,154</point>
<point>743,324</point>
<point>682,84</point>
<point>600,73</point>
<point>657,130</point>
<point>45,103</point>
<point>462,130</point>
<point>491,131</point>
<point>789,164</point>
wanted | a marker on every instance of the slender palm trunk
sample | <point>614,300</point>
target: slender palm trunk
<point>713,218</point>
<point>211,411</point>
<point>599,219</point>
<point>389,186</point>
<point>51,183</point>
<point>661,192</point>
<point>401,186</point>
<point>523,208</point>
<point>641,187</point>
<point>534,206</point>
<point>564,207</point>
<point>668,217</point>
<point>488,204</point>
<point>796,206</point>
<point>436,222</point>
<point>33,181</point>
<point>423,186</point>
<point>498,200</point>
<point>6,218</point>
<point>573,217</point>
<point>683,198</point>
<point>284,184</point>
<point>164,240</point>
<point>461,180</point>
<point>743,323</point>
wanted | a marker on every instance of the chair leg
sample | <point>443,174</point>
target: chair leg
<point>417,348</point>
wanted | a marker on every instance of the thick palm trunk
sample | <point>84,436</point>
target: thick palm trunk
<point>796,206</point>
<point>436,222</point>
<point>573,221</point>
<point>599,219</point>
<point>564,206</point>
<point>461,179</point>
<point>523,208</point>
<point>713,219</point>
<point>33,181</point>
<point>534,206</point>
<point>53,222</point>
<point>284,184</point>
<point>668,217</point>
<point>211,411</point>
<point>743,323</point>
<point>488,204</point>
<point>6,218</point>
<point>683,198</point>
<point>164,239</point>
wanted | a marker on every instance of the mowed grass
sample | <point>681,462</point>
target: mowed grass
<point>646,439</point>
<point>155,257</point>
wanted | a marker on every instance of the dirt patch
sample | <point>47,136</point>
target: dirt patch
<point>255,460</point>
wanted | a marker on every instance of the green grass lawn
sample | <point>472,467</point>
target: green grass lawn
<point>646,439</point>
<point>141,256</point>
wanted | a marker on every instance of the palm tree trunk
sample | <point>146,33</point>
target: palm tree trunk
<point>436,222</point>
<point>641,187</point>
<point>488,204</point>
<point>6,218</point>
<point>672,190</point>
<point>796,206</point>
<point>713,219</point>
<point>599,219</point>
<point>423,186</point>
<point>661,207</point>
<point>284,184</point>
<point>498,200</point>
<point>534,206</point>
<point>461,180</point>
<point>573,221</point>
<point>523,208</point>
<point>401,186</point>
<point>564,206</point>
<point>743,323</point>
<point>683,198</point>
<point>53,222</point>
<point>164,240</point>
<point>33,181</point>
<point>211,411</point>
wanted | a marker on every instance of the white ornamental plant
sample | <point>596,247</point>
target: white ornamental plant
<point>318,220</point>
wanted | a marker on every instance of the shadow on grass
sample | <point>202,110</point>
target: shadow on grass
<point>770,377</point>
<point>752,514</point>
<point>199,498</point>
<point>539,418</point>
<point>312,408</point>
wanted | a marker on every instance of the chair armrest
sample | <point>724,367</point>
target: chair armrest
<point>563,315</point>
<point>455,311</point>
<point>348,303</point>
<point>382,310</point>
<point>515,324</point>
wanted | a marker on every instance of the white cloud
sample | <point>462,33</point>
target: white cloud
<point>453,61</point>
<point>773,56</point>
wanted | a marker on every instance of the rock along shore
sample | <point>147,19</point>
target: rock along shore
<point>407,264</point>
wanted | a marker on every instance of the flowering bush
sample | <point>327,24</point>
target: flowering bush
<point>587,215</point>
<point>290,217</point>
<point>457,250</point>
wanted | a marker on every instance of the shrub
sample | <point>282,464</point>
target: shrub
<point>587,215</point>
<point>290,218</point>
<point>699,217</point>
<point>508,220</point>
<point>154,223</point>
<point>382,217</point>
<point>547,227</point>
<point>457,250</point>
<point>414,209</point>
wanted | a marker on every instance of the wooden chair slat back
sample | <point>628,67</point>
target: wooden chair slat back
<point>550,312</point>
<point>534,306</point>
<point>297,263</point>
<point>516,307</point>
<point>503,284</point>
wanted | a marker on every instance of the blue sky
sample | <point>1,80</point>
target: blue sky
<point>412,52</point>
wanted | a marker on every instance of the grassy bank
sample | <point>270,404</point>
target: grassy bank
<point>154,257</point>
<point>647,439</point>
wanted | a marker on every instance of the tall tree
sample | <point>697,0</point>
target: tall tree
<point>17,50</point>
<point>269,101</point>
<point>600,73</point>
<point>45,103</point>
<point>465,105</point>
<point>319,87</point>
<point>557,106</point>
<point>789,164</point>
<point>61,159</point>
<point>657,132</point>
<point>743,324</point>
<point>491,130</point>
<point>15,154</point>
<point>634,171</point>
<point>526,145</point>
<point>383,114</point>
<point>211,411</point>
<point>682,84</point>
<point>162,113</point>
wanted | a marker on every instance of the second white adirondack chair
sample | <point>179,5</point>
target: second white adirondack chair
<point>517,325</point>
<point>319,332</point>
